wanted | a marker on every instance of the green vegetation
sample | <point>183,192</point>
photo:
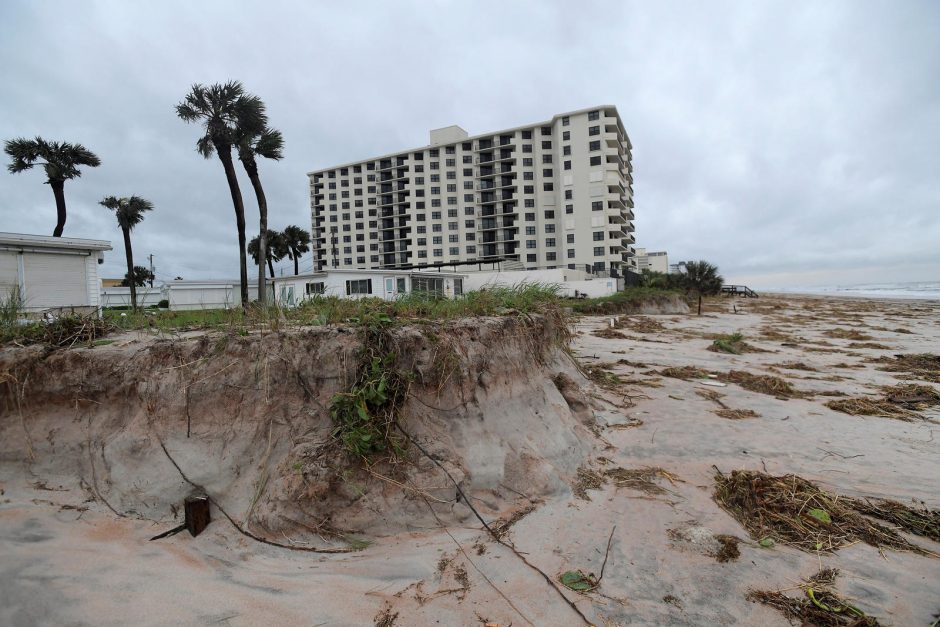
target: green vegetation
<point>130,212</point>
<point>733,343</point>
<point>626,301</point>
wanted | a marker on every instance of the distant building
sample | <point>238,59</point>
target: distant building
<point>111,282</point>
<point>552,194</point>
<point>654,261</point>
<point>355,284</point>
<point>51,274</point>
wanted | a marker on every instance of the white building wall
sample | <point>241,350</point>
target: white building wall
<point>335,284</point>
<point>190,295</point>
<point>121,296</point>
<point>569,282</point>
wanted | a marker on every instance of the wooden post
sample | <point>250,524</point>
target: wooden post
<point>197,513</point>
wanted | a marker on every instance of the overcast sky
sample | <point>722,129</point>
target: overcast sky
<point>792,143</point>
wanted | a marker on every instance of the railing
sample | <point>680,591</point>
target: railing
<point>738,290</point>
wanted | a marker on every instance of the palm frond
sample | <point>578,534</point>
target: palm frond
<point>270,144</point>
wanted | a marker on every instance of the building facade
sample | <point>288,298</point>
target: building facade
<point>657,261</point>
<point>554,194</point>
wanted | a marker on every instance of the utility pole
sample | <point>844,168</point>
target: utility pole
<point>150,256</point>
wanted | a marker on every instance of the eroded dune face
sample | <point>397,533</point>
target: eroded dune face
<point>140,424</point>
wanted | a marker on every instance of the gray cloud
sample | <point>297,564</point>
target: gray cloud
<point>791,143</point>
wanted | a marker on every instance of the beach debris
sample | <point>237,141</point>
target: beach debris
<point>684,372</point>
<point>734,344</point>
<point>641,479</point>
<point>797,365</point>
<point>196,517</point>
<point>821,605</point>
<point>791,510</point>
<point>609,334</point>
<point>736,414</point>
<point>765,384</point>
<point>871,345</point>
<point>920,366</point>
<point>587,479</point>
<point>847,334</point>
<point>694,537</point>
<point>919,520</point>
<point>900,402</point>
<point>386,618</point>
<point>601,375</point>
<point>578,580</point>
<point>502,526</point>
<point>640,324</point>
<point>714,384</point>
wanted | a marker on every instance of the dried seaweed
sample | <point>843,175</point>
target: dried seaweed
<point>736,414</point>
<point>918,520</point>
<point>587,479</point>
<point>609,334</point>
<point>847,334</point>
<point>641,479</point>
<point>920,366</point>
<point>797,365</point>
<point>794,511</point>
<point>502,526</point>
<point>900,402</point>
<point>765,384</point>
<point>871,345</point>
<point>820,606</point>
<point>684,372</point>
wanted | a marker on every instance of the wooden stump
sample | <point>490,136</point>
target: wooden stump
<point>197,514</point>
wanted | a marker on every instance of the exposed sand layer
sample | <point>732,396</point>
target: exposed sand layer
<point>68,559</point>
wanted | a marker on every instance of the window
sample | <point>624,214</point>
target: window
<point>594,130</point>
<point>435,215</point>
<point>566,150</point>
<point>452,226</point>
<point>530,243</point>
<point>597,205</point>
<point>528,176</point>
<point>422,241</point>
<point>566,135</point>
<point>549,186</point>
<point>550,242</point>
<point>547,144</point>
<point>469,211</point>
<point>451,188</point>
<point>595,160</point>
<point>422,254</point>
<point>526,147</point>
<point>469,224</point>
<point>570,238</point>
<point>530,217</point>
<point>438,252</point>
<point>468,198</point>
<point>467,159</point>
<point>453,238</point>
<point>550,256</point>
<point>435,191</point>
<point>594,115</point>
<point>526,134</point>
<point>546,130</point>
<point>313,289</point>
<point>530,230</point>
<point>598,236</point>
<point>568,194</point>
<point>362,286</point>
<point>550,214</point>
<point>528,189</point>
<point>567,165</point>
<point>450,163</point>
<point>565,121</point>
<point>594,145</point>
<point>527,162</point>
<point>450,150</point>
<point>435,165</point>
<point>549,228</point>
<point>571,253</point>
<point>422,229</point>
<point>547,173</point>
<point>471,250</point>
<point>454,250</point>
<point>435,152</point>
<point>598,251</point>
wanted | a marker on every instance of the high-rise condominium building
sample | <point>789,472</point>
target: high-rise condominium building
<point>550,194</point>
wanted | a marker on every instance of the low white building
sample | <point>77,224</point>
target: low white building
<point>571,283</point>
<point>385,284</point>
<point>52,274</point>
<point>121,296</point>
<point>208,294</point>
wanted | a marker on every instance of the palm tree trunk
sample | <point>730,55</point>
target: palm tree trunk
<point>58,189</point>
<point>270,267</point>
<point>129,254</point>
<point>225,156</point>
<point>700,303</point>
<point>251,168</point>
<point>296,263</point>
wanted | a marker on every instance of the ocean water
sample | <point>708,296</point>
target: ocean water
<point>924,290</point>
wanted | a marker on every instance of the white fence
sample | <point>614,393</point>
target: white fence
<point>121,296</point>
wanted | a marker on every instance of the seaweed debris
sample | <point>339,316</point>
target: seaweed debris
<point>919,520</point>
<point>847,334</point>
<point>918,365</point>
<point>641,479</point>
<point>765,384</point>
<point>821,605</point>
<point>901,402</point>
<point>684,372</point>
<point>791,510</point>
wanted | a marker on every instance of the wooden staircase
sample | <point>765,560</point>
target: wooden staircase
<point>738,290</point>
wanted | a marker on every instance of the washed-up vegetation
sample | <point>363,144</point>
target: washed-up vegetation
<point>919,366</point>
<point>901,402</point>
<point>791,510</point>
<point>587,479</point>
<point>725,411</point>
<point>63,331</point>
<point>640,324</point>
<point>628,301</point>
<point>797,365</point>
<point>684,372</point>
<point>601,375</point>
<point>847,334</point>
<point>733,343</point>
<point>641,479</point>
<point>821,605</point>
<point>609,334</point>
<point>870,345</point>
<point>765,384</point>
<point>917,519</point>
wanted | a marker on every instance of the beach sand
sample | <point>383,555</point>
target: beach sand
<point>67,561</point>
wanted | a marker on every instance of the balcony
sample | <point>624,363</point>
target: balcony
<point>490,224</point>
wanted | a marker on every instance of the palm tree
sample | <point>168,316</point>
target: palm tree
<point>297,241</point>
<point>277,249</point>
<point>701,278</point>
<point>130,212</point>
<point>254,138</point>
<point>60,160</point>
<point>219,108</point>
<point>140,278</point>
